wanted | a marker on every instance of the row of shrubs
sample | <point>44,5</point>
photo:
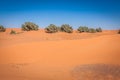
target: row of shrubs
<point>64,28</point>
<point>28,26</point>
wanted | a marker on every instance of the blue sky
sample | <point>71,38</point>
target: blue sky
<point>91,13</point>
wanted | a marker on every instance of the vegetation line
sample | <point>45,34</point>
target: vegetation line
<point>30,26</point>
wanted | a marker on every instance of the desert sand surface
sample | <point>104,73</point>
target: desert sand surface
<point>36,55</point>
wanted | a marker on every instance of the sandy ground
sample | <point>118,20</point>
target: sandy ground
<point>37,55</point>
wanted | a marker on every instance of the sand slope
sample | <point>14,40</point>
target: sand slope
<point>41,56</point>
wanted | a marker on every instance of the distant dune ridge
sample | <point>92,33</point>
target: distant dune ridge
<point>36,55</point>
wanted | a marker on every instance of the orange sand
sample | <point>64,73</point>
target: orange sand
<point>37,55</point>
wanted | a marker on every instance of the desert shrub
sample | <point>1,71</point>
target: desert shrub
<point>28,26</point>
<point>2,28</point>
<point>66,28</point>
<point>96,72</point>
<point>13,32</point>
<point>80,29</point>
<point>83,29</point>
<point>118,31</point>
<point>51,28</point>
<point>98,29</point>
<point>91,30</point>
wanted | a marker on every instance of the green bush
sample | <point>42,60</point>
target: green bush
<point>86,29</point>
<point>51,28</point>
<point>80,29</point>
<point>92,30</point>
<point>66,28</point>
<point>83,29</point>
<point>98,29</point>
<point>13,32</point>
<point>28,26</point>
<point>2,28</point>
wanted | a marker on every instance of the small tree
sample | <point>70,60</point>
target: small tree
<point>51,28</point>
<point>2,28</point>
<point>66,28</point>
<point>28,26</point>
<point>92,30</point>
<point>98,29</point>
<point>13,32</point>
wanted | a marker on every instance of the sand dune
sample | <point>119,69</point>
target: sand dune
<point>37,55</point>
